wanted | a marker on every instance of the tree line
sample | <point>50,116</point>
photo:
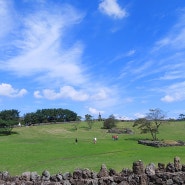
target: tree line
<point>10,118</point>
<point>149,124</point>
<point>50,115</point>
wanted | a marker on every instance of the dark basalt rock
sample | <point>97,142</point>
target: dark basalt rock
<point>171,174</point>
<point>161,143</point>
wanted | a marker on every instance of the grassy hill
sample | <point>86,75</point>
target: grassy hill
<point>53,147</point>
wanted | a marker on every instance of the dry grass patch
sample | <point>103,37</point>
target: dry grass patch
<point>170,142</point>
<point>56,131</point>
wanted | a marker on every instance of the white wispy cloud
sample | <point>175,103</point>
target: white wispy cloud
<point>139,115</point>
<point>175,38</point>
<point>42,49</point>
<point>6,20</point>
<point>173,74</point>
<point>101,94</point>
<point>95,111</point>
<point>112,9</point>
<point>37,94</point>
<point>121,56</point>
<point>171,47</point>
<point>9,91</point>
<point>174,92</point>
<point>98,97</point>
<point>163,63</point>
<point>105,99</point>
<point>131,52</point>
<point>64,92</point>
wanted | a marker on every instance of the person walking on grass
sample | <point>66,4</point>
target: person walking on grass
<point>95,140</point>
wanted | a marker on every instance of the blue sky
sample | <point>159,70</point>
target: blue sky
<point>116,57</point>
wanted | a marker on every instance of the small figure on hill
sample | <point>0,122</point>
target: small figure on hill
<point>95,140</point>
<point>115,137</point>
<point>76,140</point>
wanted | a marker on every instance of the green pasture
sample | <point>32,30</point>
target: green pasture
<point>53,148</point>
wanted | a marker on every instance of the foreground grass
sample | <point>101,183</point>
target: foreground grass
<point>52,147</point>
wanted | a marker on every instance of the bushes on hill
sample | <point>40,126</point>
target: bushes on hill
<point>110,122</point>
<point>50,115</point>
<point>8,118</point>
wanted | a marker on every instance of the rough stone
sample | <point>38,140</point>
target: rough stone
<point>143,180</point>
<point>45,175</point>
<point>26,176</point>
<point>66,182</point>
<point>4,175</point>
<point>150,169</point>
<point>183,167</point>
<point>86,174</point>
<point>59,177</point>
<point>77,174</point>
<point>173,174</point>
<point>170,167</point>
<point>138,167</point>
<point>169,182</point>
<point>160,143</point>
<point>112,172</point>
<point>94,175</point>
<point>67,176</point>
<point>161,167</point>
<point>34,176</point>
<point>177,164</point>
<point>103,171</point>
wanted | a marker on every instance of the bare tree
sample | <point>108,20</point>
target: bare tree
<point>151,123</point>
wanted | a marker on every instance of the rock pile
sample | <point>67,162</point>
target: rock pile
<point>120,131</point>
<point>171,174</point>
<point>160,143</point>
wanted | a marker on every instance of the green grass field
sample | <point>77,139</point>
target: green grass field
<point>53,148</point>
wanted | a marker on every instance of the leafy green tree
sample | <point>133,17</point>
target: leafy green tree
<point>12,114</point>
<point>50,115</point>
<point>151,123</point>
<point>182,117</point>
<point>6,126</point>
<point>110,122</point>
<point>31,118</point>
<point>39,116</point>
<point>69,115</point>
<point>8,118</point>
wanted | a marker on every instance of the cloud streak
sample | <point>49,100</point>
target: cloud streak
<point>174,92</point>
<point>65,92</point>
<point>112,9</point>
<point>8,91</point>
<point>5,19</point>
<point>42,48</point>
<point>43,52</point>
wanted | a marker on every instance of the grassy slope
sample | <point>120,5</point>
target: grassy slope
<point>53,147</point>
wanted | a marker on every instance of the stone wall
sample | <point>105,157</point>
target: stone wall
<point>161,143</point>
<point>172,173</point>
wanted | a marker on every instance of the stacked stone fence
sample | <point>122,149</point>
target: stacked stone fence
<point>171,174</point>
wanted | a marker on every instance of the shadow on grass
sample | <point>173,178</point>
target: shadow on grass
<point>79,128</point>
<point>7,133</point>
<point>85,128</point>
<point>73,129</point>
<point>132,139</point>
